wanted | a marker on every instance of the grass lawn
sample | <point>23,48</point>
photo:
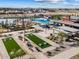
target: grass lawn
<point>38,41</point>
<point>13,49</point>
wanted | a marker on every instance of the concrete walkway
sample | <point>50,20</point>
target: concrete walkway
<point>67,54</point>
<point>21,44</point>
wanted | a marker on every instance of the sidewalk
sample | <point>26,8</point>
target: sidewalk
<point>20,43</point>
<point>67,54</point>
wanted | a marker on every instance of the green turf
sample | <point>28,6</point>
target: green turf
<point>41,43</point>
<point>13,48</point>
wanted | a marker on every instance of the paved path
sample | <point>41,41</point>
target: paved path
<point>67,54</point>
<point>40,56</point>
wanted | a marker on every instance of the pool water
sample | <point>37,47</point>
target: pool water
<point>41,20</point>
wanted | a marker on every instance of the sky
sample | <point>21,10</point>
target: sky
<point>40,3</point>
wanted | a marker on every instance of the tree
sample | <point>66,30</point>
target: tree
<point>61,35</point>
<point>2,23</point>
<point>6,24</point>
<point>56,16</point>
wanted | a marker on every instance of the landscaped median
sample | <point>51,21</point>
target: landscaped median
<point>38,41</point>
<point>13,49</point>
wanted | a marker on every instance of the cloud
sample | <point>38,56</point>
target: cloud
<point>77,0</point>
<point>62,2</point>
<point>39,0</point>
<point>56,0</point>
<point>53,1</point>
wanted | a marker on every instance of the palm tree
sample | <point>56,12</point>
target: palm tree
<point>61,35</point>
<point>23,24</point>
<point>53,30</point>
<point>52,37</point>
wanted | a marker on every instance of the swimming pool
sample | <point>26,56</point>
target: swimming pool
<point>41,20</point>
